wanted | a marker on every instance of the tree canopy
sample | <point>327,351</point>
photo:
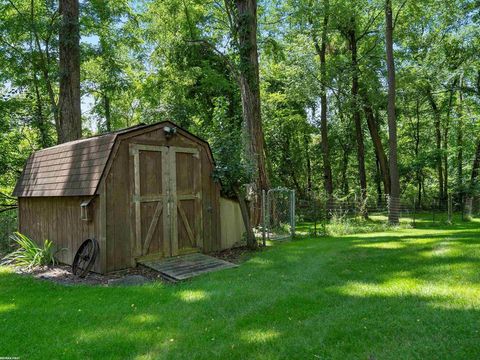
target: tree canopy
<point>322,84</point>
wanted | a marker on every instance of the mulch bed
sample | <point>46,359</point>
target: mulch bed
<point>62,274</point>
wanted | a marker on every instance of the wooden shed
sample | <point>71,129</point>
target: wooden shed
<point>142,192</point>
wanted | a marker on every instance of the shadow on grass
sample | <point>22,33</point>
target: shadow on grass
<point>407,294</point>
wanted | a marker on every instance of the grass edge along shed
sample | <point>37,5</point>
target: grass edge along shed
<point>142,192</point>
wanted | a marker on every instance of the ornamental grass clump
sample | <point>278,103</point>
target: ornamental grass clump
<point>28,254</point>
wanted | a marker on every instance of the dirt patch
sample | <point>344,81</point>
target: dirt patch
<point>236,255</point>
<point>62,274</point>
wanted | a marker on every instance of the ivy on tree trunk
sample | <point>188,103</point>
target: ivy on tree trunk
<point>70,123</point>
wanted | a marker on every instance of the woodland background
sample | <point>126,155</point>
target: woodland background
<point>145,61</point>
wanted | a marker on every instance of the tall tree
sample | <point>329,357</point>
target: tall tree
<point>393,213</point>
<point>416,152</point>
<point>437,114</point>
<point>459,144</point>
<point>244,14</point>
<point>475,167</point>
<point>377,143</point>
<point>357,119</point>
<point>446,133</point>
<point>70,122</point>
<point>321,50</point>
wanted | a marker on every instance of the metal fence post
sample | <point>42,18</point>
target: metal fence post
<point>414,210</point>
<point>292,214</point>
<point>264,234</point>
<point>462,206</point>
<point>355,207</point>
<point>267,215</point>
<point>325,218</point>
<point>388,207</point>
<point>449,208</point>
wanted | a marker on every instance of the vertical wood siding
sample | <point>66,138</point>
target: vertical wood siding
<point>120,190</point>
<point>58,220</point>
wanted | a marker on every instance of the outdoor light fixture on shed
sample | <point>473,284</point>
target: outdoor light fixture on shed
<point>169,131</point>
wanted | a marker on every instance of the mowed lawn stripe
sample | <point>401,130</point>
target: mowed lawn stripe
<point>398,294</point>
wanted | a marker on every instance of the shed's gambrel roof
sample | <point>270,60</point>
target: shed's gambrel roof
<point>74,168</point>
<point>70,169</point>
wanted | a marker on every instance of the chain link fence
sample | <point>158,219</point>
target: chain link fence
<point>319,215</point>
<point>283,214</point>
<point>8,225</point>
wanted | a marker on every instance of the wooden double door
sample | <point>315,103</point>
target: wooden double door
<point>167,200</point>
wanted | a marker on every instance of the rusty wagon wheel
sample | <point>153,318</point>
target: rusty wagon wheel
<point>85,257</point>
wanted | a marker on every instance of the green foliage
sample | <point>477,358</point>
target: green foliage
<point>226,141</point>
<point>152,60</point>
<point>343,225</point>
<point>30,254</point>
<point>8,224</point>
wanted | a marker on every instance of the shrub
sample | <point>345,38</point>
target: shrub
<point>343,225</point>
<point>30,254</point>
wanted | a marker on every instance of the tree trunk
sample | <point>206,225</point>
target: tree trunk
<point>357,118</point>
<point>51,96</point>
<point>460,189</point>
<point>306,142</point>
<point>69,98</point>
<point>249,82</point>
<point>251,241</point>
<point>473,181</point>
<point>475,168</point>
<point>345,145</point>
<point>344,168</point>
<point>40,121</point>
<point>377,144</point>
<point>321,52</point>
<point>43,64</point>
<point>393,213</point>
<point>473,188</point>
<point>108,121</point>
<point>438,141</point>
<point>378,182</point>
<point>446,133</point>
<point>419,174</point>
<point>419,193</point>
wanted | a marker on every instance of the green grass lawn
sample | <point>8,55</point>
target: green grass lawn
<point>398,294</point>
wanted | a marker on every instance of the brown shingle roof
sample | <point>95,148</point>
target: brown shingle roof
<point>70,169</point>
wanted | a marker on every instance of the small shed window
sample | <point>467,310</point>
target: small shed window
<point>85,210</point>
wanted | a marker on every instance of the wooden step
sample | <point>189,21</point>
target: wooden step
<point>186,266</point>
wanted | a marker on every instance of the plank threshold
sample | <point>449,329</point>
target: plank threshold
<point>186,266</point>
